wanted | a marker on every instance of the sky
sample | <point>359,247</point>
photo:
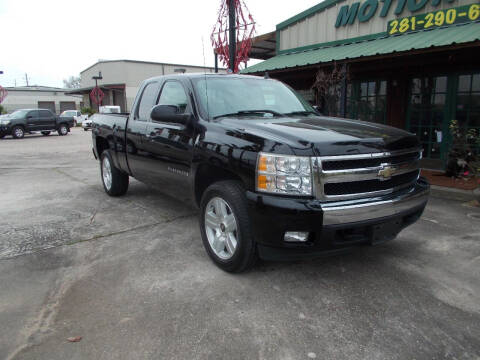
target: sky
<point>51,40</point>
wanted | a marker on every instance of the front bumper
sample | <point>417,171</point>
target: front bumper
<point>5,129</point>
<point>333,226</point>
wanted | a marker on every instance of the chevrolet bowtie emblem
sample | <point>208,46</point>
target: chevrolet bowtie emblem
<point>387,172</point>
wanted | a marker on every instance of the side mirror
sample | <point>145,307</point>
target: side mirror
<point>316,107</point>
<point>169,114</point>
<point>29,117</point>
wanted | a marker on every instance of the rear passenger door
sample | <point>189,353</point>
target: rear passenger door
<point>46,120</point>
<point>137,155</point>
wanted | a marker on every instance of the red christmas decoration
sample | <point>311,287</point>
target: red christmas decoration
<point>97,95</point>
<point>3,94</point>
<point>245,30</point>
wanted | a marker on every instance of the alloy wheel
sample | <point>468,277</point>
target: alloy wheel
<point>107,173</point>
<point>221,228</point>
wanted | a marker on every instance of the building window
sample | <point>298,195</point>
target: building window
<point>367,101</point>
<point>467,110</point>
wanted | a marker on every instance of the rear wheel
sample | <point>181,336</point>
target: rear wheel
<point>225,227</point>
<point>45,133</point>
<point>63,130</point>
<point>18,132</point>
<point>115,182</point>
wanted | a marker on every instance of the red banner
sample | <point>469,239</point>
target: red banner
<point>3,94</point>
<point>97,95</point>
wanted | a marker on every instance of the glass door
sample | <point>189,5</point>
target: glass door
<point>467,107</point>
<point>427,115</point>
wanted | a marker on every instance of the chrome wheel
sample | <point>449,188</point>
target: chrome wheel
<point>18,132</point>
<point>221,228</point>
<point>63,130</point>
<point>107,173</point>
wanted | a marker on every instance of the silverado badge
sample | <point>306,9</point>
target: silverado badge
<point>386,172</point>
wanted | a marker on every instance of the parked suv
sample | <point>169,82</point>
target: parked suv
<point>28,120</point>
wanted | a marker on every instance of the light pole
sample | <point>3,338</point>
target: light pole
<point>232,35</point>
<point>96,78</point>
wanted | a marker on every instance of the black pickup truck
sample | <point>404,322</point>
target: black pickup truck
<point>28,120</point>
<point>272,177</point>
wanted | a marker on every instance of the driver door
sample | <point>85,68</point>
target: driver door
<point>170,146</point>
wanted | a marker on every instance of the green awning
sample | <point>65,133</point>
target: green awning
<point>457,34</point>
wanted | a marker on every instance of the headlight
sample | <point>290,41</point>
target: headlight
<point>5,122</point>
<point>283,174</point>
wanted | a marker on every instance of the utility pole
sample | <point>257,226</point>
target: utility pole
<point>96,78</point>
<point>26,78</point>
<point>232,41</point>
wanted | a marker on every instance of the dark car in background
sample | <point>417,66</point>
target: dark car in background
<point>19,122</point>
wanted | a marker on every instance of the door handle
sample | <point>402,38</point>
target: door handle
<point>154,133</point>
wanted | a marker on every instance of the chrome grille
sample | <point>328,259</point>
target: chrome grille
<point>365,175</point>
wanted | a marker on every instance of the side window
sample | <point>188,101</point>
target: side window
<point>173,93</point>
<point>33,114</point>
<point>147,102</point>
<point>45,113</point>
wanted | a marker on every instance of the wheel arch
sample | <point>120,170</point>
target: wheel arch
<point>208,174</point>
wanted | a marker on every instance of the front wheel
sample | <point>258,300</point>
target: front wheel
<point>115,182</point>
<point>225,227</point>
<point>18,132</point>
<point>63,130</point>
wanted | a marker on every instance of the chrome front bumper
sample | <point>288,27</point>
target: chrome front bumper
<point>345,212</point>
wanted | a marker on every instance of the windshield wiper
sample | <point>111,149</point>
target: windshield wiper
<point>293,113</point>
<point>247,112</point>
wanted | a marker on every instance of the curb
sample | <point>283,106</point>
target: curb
<point>453,193</point>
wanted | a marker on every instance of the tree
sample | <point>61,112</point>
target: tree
<point>328,85</point>
<point>73,82</point>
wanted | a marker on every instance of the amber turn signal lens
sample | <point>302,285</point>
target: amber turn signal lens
<point>262,163</point>
<point>262,182</point>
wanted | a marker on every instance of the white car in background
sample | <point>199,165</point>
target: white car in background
<point>77,116</point>
<point>110,109</point>
<point>87,124</point>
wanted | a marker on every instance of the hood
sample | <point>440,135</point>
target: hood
<point>325,136</point>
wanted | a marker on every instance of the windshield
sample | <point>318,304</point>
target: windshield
<point>18,114</point>
<point>69,113</point>
<point>241,96</point>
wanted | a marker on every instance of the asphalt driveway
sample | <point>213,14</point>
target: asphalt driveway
<point>130,276</point>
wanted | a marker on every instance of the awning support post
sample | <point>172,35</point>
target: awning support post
<point>343,93</point>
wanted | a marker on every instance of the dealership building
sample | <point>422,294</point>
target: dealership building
<point>121,79</point>
<point>412,64</point>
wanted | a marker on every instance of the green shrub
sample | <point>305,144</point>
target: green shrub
<point>87,111</point>
<point>2,110</point>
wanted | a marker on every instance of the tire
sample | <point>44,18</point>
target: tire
<point>45,133</point>
<point>2,136</point>
<point>215,225</point>
<point>18,132</point>
<point>63,130</point>
<point>85,129</point>
<point>115,182</point>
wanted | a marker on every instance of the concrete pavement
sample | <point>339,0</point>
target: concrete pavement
<point>131,277</point>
